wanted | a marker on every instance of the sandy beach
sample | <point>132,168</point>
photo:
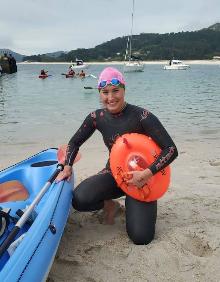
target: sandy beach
<point>187,242</point>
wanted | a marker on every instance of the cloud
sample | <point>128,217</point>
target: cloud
<point>33,27</point>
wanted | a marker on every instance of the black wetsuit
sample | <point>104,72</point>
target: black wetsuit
<point>90,194</point>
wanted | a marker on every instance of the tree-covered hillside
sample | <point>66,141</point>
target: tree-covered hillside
<point>202,44</point>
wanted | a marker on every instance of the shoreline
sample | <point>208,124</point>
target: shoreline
<point>161,62</point>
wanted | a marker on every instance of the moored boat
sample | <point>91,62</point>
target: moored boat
<point>79,65</point>
<point>40,235</point>
<point>176,65</point>
<point>132,64</point>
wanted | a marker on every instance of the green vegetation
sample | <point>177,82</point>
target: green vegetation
<point>196,45</point>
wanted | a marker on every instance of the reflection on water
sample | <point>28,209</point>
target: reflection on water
<point>32,110</point>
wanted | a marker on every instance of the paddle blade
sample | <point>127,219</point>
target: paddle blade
<point>61,154</point>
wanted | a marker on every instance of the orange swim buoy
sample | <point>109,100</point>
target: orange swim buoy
<point>137,152</point>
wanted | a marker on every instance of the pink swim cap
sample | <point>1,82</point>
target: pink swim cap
<point>110,73</point>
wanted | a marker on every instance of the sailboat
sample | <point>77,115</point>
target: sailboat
<point>132,64</point>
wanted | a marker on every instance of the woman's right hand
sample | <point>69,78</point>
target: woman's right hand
<point>65,174</point>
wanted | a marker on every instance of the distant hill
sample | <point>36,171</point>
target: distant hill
<point>18,57</point>
<point>194,45</point>
<point>215,27</point>
<point>55,54</point>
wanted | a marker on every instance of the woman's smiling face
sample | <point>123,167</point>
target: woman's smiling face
<point>112,97</point>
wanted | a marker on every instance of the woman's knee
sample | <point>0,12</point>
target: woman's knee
<point>141,237</point>
<point>79,200</point>
<point>140,220</point>
<point>85,200</point>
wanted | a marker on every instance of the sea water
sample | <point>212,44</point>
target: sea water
<point>41,113</point>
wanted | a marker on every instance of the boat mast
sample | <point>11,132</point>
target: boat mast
<point>131,34</point>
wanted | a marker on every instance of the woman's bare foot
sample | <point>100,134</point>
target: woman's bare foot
<point>110,209</point>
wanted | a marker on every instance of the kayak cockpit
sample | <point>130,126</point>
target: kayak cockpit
<point>13,190</point>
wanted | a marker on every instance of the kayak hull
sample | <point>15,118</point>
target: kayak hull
<point>41,240</point>
<point>42,76</point>
<point>69,75</point>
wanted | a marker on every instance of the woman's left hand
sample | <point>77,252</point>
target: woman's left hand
<point>138,178</point>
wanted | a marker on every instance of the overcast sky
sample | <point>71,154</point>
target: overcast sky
<point>41,26</point>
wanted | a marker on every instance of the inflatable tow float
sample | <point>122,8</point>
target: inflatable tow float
<point>132,152</point>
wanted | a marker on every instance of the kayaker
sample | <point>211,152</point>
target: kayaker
<point>43,72</point>
<point>117,117</point>
<point>71,71</point>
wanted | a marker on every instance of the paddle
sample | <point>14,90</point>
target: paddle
<point>92,75</point>
<point>44,76</point>
<point>15,230</point>
<point>68,75</point>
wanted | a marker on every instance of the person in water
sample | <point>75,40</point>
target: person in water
<point>43,72</point>
<point>118,117</point>
<point>82,74</point>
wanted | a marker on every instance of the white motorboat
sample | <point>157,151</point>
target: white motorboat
<point>176,65</point>
<point>79,65</point>
<point>132,64</point>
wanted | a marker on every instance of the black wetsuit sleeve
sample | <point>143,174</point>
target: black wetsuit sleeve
<point>154,129</point>
<point>83,133</point>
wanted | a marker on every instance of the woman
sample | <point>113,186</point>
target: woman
<point>82,74</point>
<point>118,118</point>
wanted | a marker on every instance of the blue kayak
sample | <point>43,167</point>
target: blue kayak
<point>38,239</point>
